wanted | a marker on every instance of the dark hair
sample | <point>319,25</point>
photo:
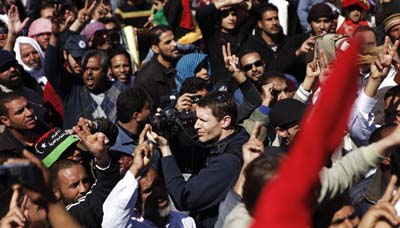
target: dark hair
<point>391,110</point>
<point>106,20</point>
<point>56,167</point>
<point>322,218</point>
<point>221,104</point>
<point>155,33</point>
<point>269,75</point>
<point>382,132</point>
<point>7,98</point>
<point>193,85</point>
<point>129,102</point>
<point>96,53</point>
<point>120,51</point>
<point>257,174</point>
<point>364,28</point>
<point>266,7</point>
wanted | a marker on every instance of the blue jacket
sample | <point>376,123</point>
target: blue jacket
<point>202,193</point>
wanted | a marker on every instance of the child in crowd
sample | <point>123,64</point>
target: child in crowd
<point>354,12</point>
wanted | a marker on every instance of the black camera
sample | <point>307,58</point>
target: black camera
<point>171,120</point>
<point>196,98</point>
<point>26,174</point>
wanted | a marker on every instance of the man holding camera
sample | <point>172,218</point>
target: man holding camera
<point>201,194</point>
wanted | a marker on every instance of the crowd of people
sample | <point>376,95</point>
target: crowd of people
<point>180,113</point>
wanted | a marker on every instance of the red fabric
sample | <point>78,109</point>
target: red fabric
<point>51,97</point>
<point>362,3</point>
<point>348,27</point>
<point>285,201</point>
<point>186,19</point>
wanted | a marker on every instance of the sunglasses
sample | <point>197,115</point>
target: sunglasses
<point>249,66</point>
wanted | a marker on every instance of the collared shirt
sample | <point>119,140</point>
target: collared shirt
<point>126,142</point>
<point>119,208</point>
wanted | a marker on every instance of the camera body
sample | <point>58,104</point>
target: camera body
<point>170,120</point>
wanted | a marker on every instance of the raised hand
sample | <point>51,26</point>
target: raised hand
<point>15,26</point>
<point>95,143</point>
<point>17,214</point>
<point>141,157</point>
<point>231,61</point>
<point>254,146</point>
<point>85,13</point>
<point>381,66</point>
<point>59,23</point>
<point>383,214</point>
<point>184,102</point>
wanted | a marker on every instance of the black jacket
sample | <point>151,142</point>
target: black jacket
<point>202,193</point>
<point>88,211</point>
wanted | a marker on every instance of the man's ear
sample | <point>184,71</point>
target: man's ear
<point>282,133</point>
<point>155,49</point>
<point>5,120</point>
<point>259,24</point>
<point>136,116</point>
<point>57,193</point>
<point>226,121</point>
<point>65,54</point>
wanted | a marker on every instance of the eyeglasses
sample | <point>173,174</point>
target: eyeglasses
<point>249,66</point>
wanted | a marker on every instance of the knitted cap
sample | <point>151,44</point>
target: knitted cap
<point>53,144</point>
<point>39,26</point>
<point>320,10</point>
<point>391,21</point>
<point>361,3</point>
<point>287,112</point>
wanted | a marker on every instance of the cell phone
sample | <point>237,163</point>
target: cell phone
<point>196,98</point>
<point>26,174</point>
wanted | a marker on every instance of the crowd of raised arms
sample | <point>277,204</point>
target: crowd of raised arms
<point>199,113</point>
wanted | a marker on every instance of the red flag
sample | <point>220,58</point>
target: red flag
<point>285,201</point>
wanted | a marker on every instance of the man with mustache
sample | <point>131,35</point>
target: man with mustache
<point>14,79</point>
<point>140,199</point>
<point>157,77</point>
<point>21,127</point>
<point>30,56</point>
<point>270,42</point>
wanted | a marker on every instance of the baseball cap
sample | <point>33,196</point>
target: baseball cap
<point>53,144</point>
<point>6,57</point>
<point>77,45</point>
<point>286,113</point>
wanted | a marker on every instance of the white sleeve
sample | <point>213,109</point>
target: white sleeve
<point>120,203</point>
<point>361,123</point>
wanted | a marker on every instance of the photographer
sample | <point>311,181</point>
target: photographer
<point>189,153</point>
<point>216,126</point>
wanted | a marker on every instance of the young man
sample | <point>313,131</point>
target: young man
<point>21,128</point>
<point>218,24</point>
<point>157,77</point>
<point>202,193</point>
<point>271,43</point>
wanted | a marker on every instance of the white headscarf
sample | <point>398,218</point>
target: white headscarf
<point>39,74</point>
